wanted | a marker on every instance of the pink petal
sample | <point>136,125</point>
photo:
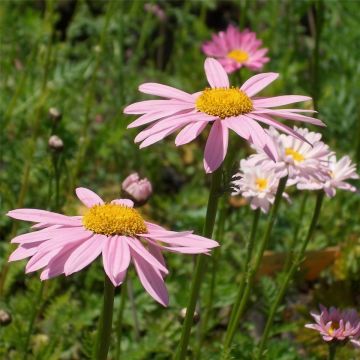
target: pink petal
<point>84,254</point>
<point>258,82</point>
<point>116,258</point>
<point>137,248</point>
<point>23,252</point>
<point>150,117</point>
<point>165,91</point>
<point>216,146</point>
<point>236,124</point>
<point>151,280</point>
<point>215,73</point>
<point>158,136</point>
<point>145,106</point>
<point>154,250</point>
<point>88,197</point>
<point>35,215</point>
<point>35,236</point>
<point>123,202</point>
<point>279,100</point>
<point>190,132</point>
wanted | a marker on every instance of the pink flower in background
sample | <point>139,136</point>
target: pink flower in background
<point>221,105</point>
<point>338,172</point>
<point>136,189</point>
<point>235,49</point>
<point>258,183</point>
<point>337,325</point>
<point>66,244</point>
<point>155,10</point>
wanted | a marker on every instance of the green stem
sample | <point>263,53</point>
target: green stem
<point>332,352</point>
<point>119,324</point>
<point>249,252</point>
<point>200,263</point>
<point>33,316</point>
<point>238,311</point>
<point>133,309</point>
<point>105,323</point>
<point>294,266</point>
<point>295,237</point>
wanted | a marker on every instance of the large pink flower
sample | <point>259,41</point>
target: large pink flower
<point>66,244</point>
<point>235,49</point>
<point>225,107</point>
<point>337,325</point>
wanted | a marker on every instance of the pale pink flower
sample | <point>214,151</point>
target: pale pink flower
<point>299,160</point>
<point>136,189</point>
<point>235,49</point>
<point>338,172</point>
<point>155,10</point>
<point>257,183</point>
<point>224,106</point>
<point>66,244</point>
<point>337,325</point>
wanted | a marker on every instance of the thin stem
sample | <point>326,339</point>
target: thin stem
<point>294,266</point>
<point>133,309</point>
<point>295,237</point>
<point>33,316</point>
<point>119,325</point>
<point>200,263</point>
<point>332,352</point>
<point>249,252</point>
<point>238,311</point>
<point>105,323</point>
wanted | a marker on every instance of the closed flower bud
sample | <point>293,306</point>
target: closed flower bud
<point>136,189</point>
<point>5,318</point>
<point>182,315</point>
<point>55,114</point>
<point>55,143</point>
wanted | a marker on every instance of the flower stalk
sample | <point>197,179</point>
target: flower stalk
<point>332,351</point>
<point>240,305</point>
<point>105,323</point>
<point>290,273</point>
<point>200,265</point>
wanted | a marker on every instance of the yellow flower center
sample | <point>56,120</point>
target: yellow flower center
<point>113,219</point>
<point>238,55</point>
<point>224,102</point>
<point>261,183</point>
<point>334,326</point>
<point>294,154</point>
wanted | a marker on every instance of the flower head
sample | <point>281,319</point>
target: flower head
<point>235,49</point>
<point>258,183</point>
<point>66,244</point>
<point>221,105</point>
<point>337,325</point>
<point>138,190</point>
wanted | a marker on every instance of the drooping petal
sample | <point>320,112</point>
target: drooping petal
<point>165,91</point>
<point>84,254</point>
<point>88,197</point>
<point>258,82</point>
<point>116,258</point>
<point>190,132</point>
<point>23,252</point>
<point>215,73</point>
<point>279,100</point>
<point>216,146</point>
<point>151,280</point>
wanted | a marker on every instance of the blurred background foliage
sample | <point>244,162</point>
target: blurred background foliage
<point>69,67</point>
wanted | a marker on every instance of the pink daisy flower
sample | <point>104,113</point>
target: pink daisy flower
<point>235,49</point>
<point>337,325</point>
<point>223,106</point>
<point>67,244</point>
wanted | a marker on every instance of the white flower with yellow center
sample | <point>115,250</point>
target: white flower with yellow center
<point>257,183</point>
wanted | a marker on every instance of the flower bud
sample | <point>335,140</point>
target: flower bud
<point>136,189</point>
<point>182,315</point>
<point>55,143</point>
<point>5,318</point>
<point>55,114</point>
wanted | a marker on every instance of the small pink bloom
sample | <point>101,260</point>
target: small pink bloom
<point>136,189</point>
<point>235,49</point>
<point>155,10</point>
<point>66,244</point>
<point>221,105</point>
<point>337,325</point>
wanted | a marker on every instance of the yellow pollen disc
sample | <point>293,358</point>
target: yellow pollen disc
<point>261,183</point>
<point>224,102</point>
<point>113,219</point>
<point>238,55</point>
<point>294,154</point>
<point>334,326</point>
